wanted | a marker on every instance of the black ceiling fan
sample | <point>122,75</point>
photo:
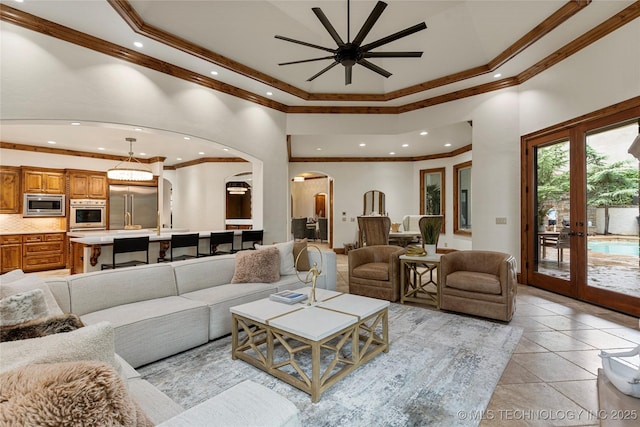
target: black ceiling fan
<point>353,52</point>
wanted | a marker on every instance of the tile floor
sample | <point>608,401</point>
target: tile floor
<point>551,378</point>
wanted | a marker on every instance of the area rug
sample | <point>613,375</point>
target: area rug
<point>440,370</point>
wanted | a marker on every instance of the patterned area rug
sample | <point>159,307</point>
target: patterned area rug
<point>441,368</point>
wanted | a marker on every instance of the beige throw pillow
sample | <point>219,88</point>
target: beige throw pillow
<point>303,260</point>
<point>287,266</point>
<point>261,266</point>
<point>22,307</point>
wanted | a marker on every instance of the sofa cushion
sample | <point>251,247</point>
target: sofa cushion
<point>254,266</point>
<point>70,394</point>
<point>474,282</point>
<point>11,276</point>
<point>372,271</point>
<point>303,260</point>
<point>26,283</point>
<point>150,330</point>
<point>22,307</point>
<point>93,342</point>
<point>157,405</point>
<point>41,327</point>
<point>100,290</point>
<point>287,260</point>
<point>231,408</point>
<point>201,273</point>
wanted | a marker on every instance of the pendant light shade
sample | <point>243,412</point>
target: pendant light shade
<point>130,169</point>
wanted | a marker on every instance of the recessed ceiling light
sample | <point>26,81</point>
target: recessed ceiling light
<point>75,123</point>
<point>362,144</point>
<point>178,158</point>
<point>447,145</point>
<point>496,75</point>
<point>392,153</point>
<point>187,138</point>
<point>405,145</point>
<point>201,152</point>
<point>318,149</point>
<point>51,142</point>
<point>138,129</point>
<point>101,148</point>
<point>225,149</point>
<point>138,44</point>
<point>269,93</point>
<point>18,1</point>
<point>143,154</point>
<point>214,73</point>
<point>424,132</point>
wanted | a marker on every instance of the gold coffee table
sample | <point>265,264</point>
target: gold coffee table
<point>310,348</point>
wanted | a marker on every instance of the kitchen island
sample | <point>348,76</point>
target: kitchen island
<point>90,249</point>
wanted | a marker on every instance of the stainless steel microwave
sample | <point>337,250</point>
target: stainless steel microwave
<point>36,205</point>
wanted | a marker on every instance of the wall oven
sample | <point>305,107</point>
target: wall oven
<point>87,214</point>
<point>42,205</point>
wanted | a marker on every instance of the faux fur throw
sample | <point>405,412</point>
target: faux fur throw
<point>41,327</point>
<point>23,306</point>
<point>67,394</point>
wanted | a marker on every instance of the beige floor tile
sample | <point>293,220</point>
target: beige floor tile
<point>557,308</point>
<point>551,367</point>
<point>529,324</point>
<point>584,393</point>
<point>515,373</point>
<point>557,341</point>
<point>534,404</point>
<point>586,359</point>
<point>626,333</point>
<point>525,345</point>
<point>595,321</point>
<point>532,310</point>
<point>562,323</point>
<point>622,319</point>
<point>600,339</point>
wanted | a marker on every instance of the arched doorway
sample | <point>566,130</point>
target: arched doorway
<point>312,199</point>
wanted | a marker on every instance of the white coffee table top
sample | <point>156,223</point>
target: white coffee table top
<point>264,309</point>
<point>355,304</point>
<point>314,323</point>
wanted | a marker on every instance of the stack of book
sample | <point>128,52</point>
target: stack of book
<point>288,297</point>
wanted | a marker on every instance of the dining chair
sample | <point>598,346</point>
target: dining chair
<point>373,230</point>
<point>221,238</point>
<point>299,228</point>
<point>323,233</point>
<point>191,240</point>
<point>251,236</point>
<point>128,245</point>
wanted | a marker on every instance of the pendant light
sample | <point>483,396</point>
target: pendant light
<point>130,169</point>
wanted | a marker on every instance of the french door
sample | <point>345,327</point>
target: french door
<point>581,217</point>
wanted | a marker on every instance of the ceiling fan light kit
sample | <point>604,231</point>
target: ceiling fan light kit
<point>353,52</point>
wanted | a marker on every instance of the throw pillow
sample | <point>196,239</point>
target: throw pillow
<point>23,307</point>
<point>303,260</point>
<point>93,342</point>
<point>261,266</point>
<point>287,265</point>
<point>27,283</point>
<point>69,394</point>
<point>41,327</point>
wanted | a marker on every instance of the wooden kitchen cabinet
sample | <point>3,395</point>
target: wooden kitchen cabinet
<point>10,190</point>
<point>10,252</point>
<point>87,185</point>
<point>43,251</point>
<point>48,181</point>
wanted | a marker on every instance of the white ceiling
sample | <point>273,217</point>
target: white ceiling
<point>460,35</point>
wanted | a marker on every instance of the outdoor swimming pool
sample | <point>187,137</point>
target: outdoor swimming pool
<point>614,247</point>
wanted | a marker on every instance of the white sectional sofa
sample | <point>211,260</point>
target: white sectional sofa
<point>159,310</point>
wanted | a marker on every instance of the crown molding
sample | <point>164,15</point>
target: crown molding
<point>375,159</point>
<point>75,153</point>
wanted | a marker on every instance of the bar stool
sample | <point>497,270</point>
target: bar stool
<point>128,245</point>
<point>251,236</point>
<point>183,241</point>
<point>221,238</point>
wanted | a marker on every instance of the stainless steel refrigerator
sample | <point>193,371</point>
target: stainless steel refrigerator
<point>132,205</point>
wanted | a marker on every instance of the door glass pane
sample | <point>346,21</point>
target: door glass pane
<point>553,207</point>
<point>613,213</point>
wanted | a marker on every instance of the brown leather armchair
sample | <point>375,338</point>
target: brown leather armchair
<point>374,271</point>
<point>481,283</point>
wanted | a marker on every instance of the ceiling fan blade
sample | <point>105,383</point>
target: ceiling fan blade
<point>369,23</point>
<point>307,60</point>
<point>392,54</point>
<point>323,71</point>
<point>348,71</point>
<point>400,34</point>
<point>287,39</point>
<point>374,67</point>
<point>325,21</point>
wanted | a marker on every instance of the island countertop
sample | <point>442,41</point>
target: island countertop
<point>106,237</point>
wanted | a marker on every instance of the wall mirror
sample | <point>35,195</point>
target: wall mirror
<point>462,198</point>
<point>374,203</point>
<point>432,193</point>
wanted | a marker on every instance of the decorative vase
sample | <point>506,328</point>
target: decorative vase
<point>395,227</point>
<point>430,249</point>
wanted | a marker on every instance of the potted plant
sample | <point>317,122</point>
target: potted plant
<point>430,226</point>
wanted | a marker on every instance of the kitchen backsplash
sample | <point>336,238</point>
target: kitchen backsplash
<point>15,223</point>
